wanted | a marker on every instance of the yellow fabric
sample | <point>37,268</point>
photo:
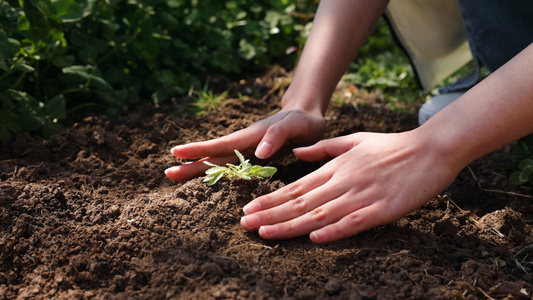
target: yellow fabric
<point>432,33</point>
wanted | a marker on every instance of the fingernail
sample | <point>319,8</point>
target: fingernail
<point>268,230</point>
<point>317,236</point>
<point>171,169</point>
<point>251,208</point>
<point>296,150</point>
<point>264,150</point>
<point>175,148</point>
<point>249,222</point>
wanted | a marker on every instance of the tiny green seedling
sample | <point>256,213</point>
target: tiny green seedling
<point>245,171</point>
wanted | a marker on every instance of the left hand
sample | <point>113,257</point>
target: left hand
<point>374,180</point>
<point>286,128</point>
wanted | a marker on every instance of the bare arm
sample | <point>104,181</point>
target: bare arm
<point>492,114</point>
<point>339,30</point>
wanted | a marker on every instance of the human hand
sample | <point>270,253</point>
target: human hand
<point>286,128</point>
<point>374,180</point>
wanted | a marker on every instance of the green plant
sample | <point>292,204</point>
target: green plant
<point>381,64</point>
<point>524,174</point>
<point>57,56</point>
<point>519,167</point>
<point>206,100</point>
<point>243,171</point>
<point>523,164</point>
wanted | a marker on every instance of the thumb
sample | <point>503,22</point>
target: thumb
<point>275,137</point>
<point>325,149</point>
<point>293,127</point>
<point>268,146</point>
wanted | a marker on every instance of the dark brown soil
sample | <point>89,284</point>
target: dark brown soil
<point>90,215</point>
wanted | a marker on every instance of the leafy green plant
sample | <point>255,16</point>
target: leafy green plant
<point>58,56</point>
<point>206,100</point>
<point>523,164</point>
<point>519,167</point>
<point>385,71</point>
<point>245,170</point>
<point>524,174</point>
<point>381,64</point>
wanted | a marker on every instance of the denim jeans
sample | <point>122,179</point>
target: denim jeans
<point>497,31</point>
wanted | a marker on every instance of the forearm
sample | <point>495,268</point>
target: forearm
<point>492,114</point>
<point>339,30</point>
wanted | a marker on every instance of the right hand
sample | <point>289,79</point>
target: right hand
<point>288,128</point>
<point>373,179</point>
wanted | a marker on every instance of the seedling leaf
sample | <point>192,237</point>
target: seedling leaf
<point>241,158</point>
<point>215,169</point>
<point>245,171</point>
<point>264,171</point>
<point>210,164</point>
<point>214,178</point>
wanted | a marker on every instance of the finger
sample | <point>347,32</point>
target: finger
<point>292,208</point>
<point>331,212</point>
<point>354,223</point>
<point>223,146</point>
<point>286,193</point>
<point>294,127</point>
<point>274,138</point>
<point>194,169</point>
<point>325,149</point>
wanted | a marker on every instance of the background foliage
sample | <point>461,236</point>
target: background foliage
<point>381,64</point>
<point>59,56</point>
<point>522,166</point>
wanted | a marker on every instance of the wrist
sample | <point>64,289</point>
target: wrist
<point>445,154</point>
<point>312,103</point>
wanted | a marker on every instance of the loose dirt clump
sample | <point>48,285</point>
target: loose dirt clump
<point>90,215</point>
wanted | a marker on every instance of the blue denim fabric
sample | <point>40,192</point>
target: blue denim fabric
<point>497,30</point>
